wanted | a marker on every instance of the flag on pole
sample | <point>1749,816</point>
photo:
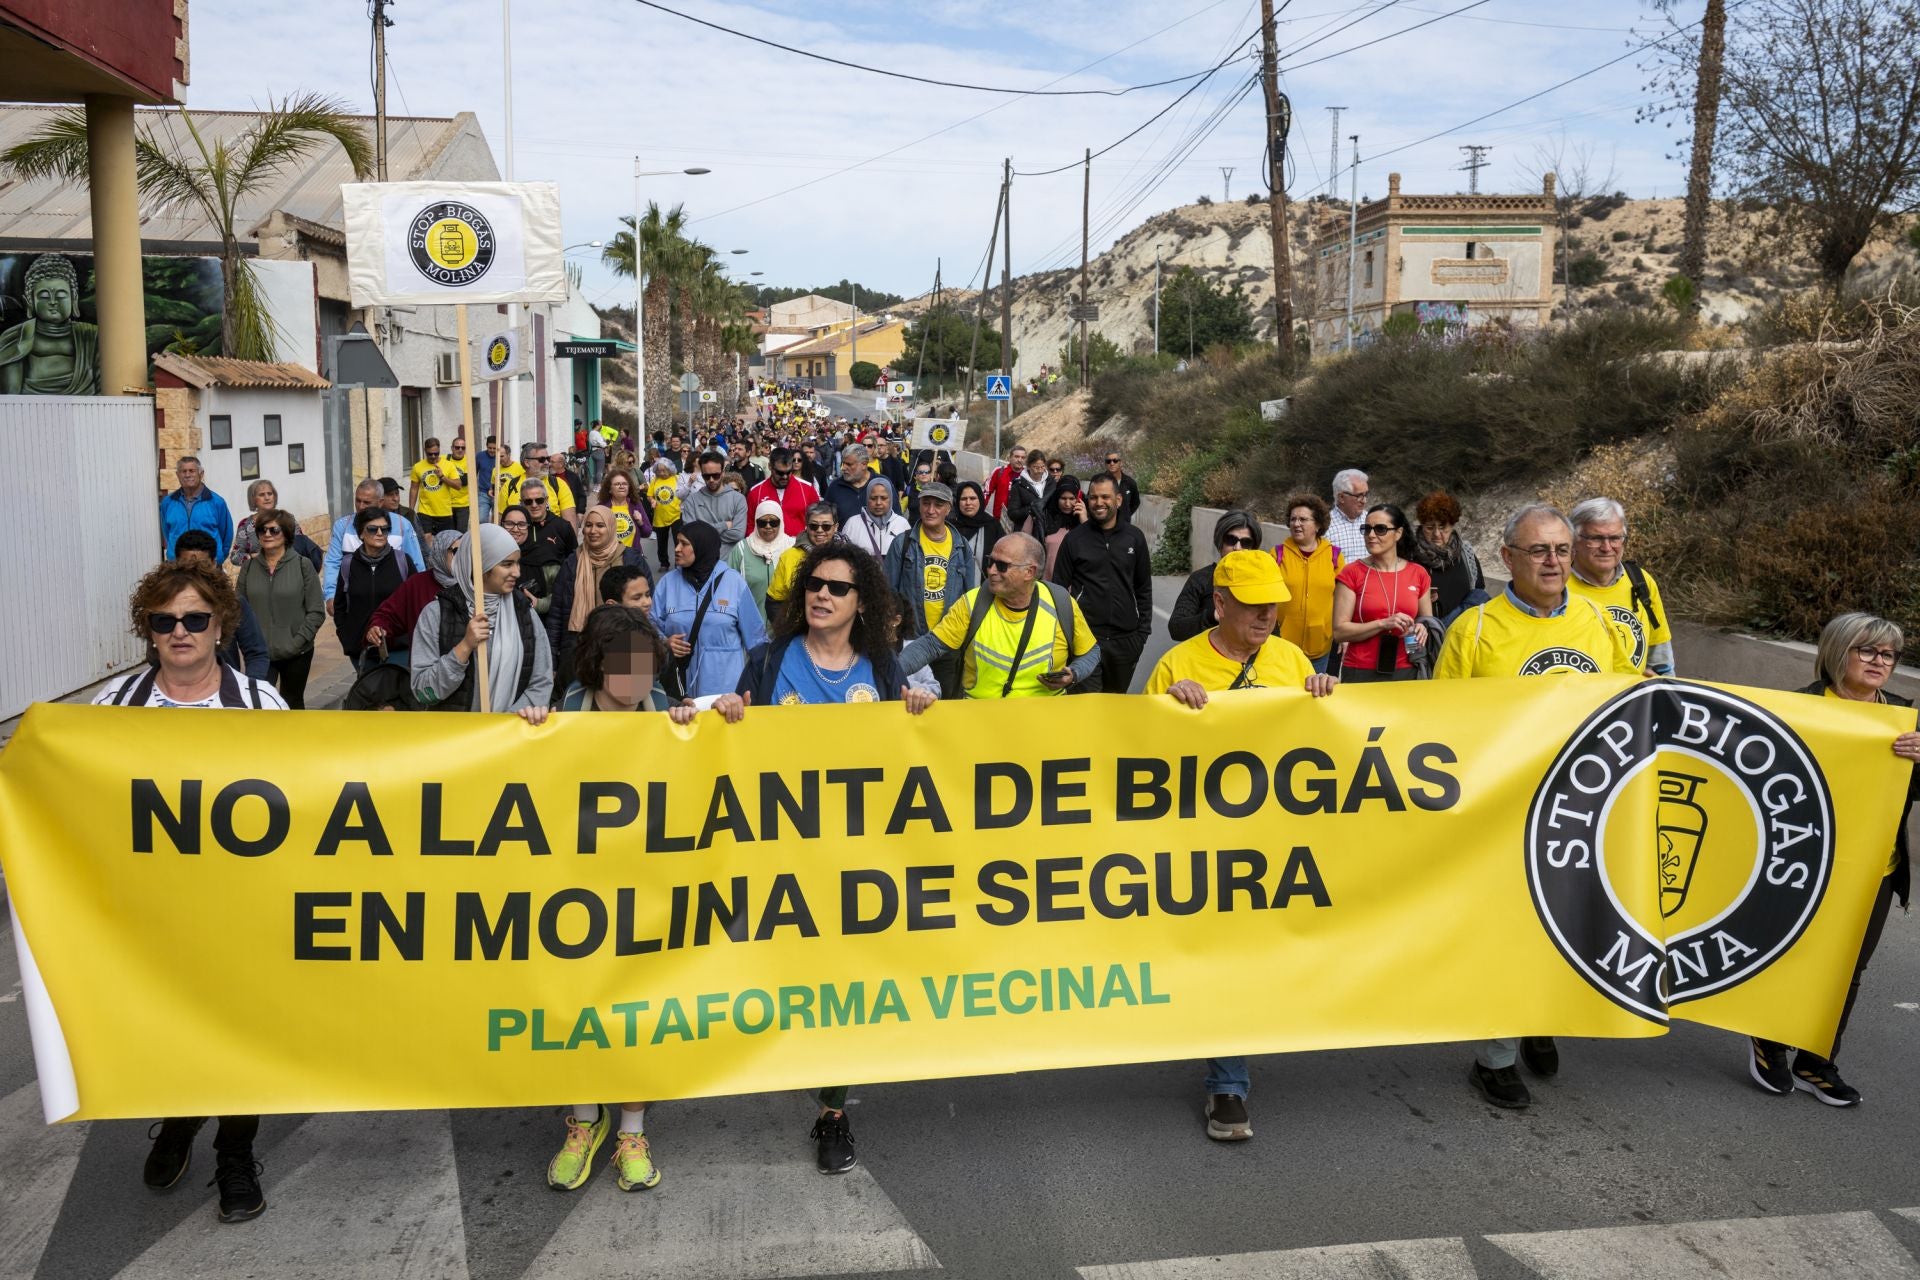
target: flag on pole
<point>414,243</point>
<point>500,355</point>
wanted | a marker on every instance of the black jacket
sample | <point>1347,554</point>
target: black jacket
<point>1902,873</point>
<point>364,586</point>
<point>1022,505</point>
<point>562,607</point>
<point>1193,610</point>
<point>762,672</point>
<point>1129,495</point>
<point>1110,574</point>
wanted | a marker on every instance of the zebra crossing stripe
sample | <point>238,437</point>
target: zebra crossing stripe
<point>37,1161</point>
<point>1856,1245</point>
<point>1401,1259</point>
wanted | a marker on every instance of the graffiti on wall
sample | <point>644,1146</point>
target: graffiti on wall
<point>49,339</point>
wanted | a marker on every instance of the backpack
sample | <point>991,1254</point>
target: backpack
<point>1638,593</point>
<point>233,695</point>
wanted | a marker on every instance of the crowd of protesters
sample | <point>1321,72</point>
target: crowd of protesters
<point>781,559</point>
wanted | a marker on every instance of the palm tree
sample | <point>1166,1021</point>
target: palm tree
<point>1708,76</point>
<point>215,178</point>
<point>663,253</point>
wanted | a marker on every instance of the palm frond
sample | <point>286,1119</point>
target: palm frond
<point>57,151</point>
<point>288,131</point>
<point>247,329</point>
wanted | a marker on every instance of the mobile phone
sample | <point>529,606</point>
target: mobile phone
<point>1054,678</point>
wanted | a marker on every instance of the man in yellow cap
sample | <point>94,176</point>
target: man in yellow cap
<point>1240,653</point>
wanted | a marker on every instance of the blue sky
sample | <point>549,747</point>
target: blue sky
<point>597,82</point>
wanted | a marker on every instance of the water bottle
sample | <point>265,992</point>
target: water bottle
<point>1412,642</point>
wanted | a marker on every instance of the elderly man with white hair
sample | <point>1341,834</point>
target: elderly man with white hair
<point>1603,574</point>
<point>1351,492</point>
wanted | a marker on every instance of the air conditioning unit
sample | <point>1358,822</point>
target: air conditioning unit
<point>446,368</point>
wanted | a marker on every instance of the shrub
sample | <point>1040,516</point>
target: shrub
<point>865,374</point>
<point>1620,236</point>
<point>1586,270</point>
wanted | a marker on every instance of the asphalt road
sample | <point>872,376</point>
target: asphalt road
<point>1643,1158</point>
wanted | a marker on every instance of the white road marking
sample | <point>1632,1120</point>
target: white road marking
<point>37,1161</point>
<point>1856,1245</point>
<point>1398,1259</point>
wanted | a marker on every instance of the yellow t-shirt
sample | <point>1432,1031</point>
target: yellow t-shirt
<point>623,523</point>
<point>663,492</point>
<point>506,483</point>
<point>1617,601</point>
<point>559,495</point>
<point>984,666</point>
<point>460,494</point>
<point>436,496</point>
<point>933,581</point>
<point>1280,664</point>
<point>1497,639</point>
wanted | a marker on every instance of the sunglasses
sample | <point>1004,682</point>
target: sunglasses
<point>264,529</point>
<point>838,590</point>
<point>1113,459</point>
<point>1379,530</point>
<point>819,528</point>
<point>1233,540</point>
<point>376,528</point>
<point>709,476</point>
<point>162,624</point>
<point>536,502</point>
<point>768,524</point>
<point>1003,566</point>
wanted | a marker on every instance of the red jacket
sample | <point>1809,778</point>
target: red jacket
<point>799,495</point>
<point>999,484</point>
<point>399,612</point>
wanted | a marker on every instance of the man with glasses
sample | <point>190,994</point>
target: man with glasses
<point>1351,494</point>
<point>1533,628</point>
<point>711,502</point>
<point>1128,486</point>
<point>1017,636</point>
<point>544,528</point>
<point>344,541</point>
<point>430,490</point>
<point>792,493</point>
<point>1629,594</point>
<point>539,462</point>
<point>454,469</point>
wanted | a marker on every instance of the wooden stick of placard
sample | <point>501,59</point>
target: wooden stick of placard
<point>481,686</point>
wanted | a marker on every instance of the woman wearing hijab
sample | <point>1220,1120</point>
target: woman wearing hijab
<point>1067,510</point>
<point>369,576</point>
<point>576,587</point>
<point>519,659</point>
<point>706,611</point>
<point>975,526</point>
<point>1193,610</point>
<point>874,528</point>
<point>393,622</point>
<point>755,556</point>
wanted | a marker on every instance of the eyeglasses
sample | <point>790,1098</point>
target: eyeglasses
<point>1540,552</point>
<point>162,624</point>
<point>1112,460</point>
<point>1379,530</point>
<point>709,475</point>
<point>1055,469</point>
<point>819,528</point>
<point>266,529</point>
<point>838,590</point>
<point>511,525</point>
<point>1362,494</point>
<point>1239,540</point>
<point>1004,566</point>
<point>1604,539</point>
<point>376,528</point>
<point>1301,520</point>
<point>536,502</point>
<point>771,523</point>
<point>1878,657</point>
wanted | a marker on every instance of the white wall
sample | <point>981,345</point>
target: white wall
<point>1520,258</point>
<point>290,290</point>
<point>73,631</point>
<point>303,494</point>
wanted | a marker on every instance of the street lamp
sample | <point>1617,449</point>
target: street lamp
<point>640,297</point>
<point>584,244</point>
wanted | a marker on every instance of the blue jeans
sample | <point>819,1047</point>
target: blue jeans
<point>1228,1075</point>
<point>1320,663</point>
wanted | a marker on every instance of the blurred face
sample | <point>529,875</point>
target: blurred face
<point>1538,558</point>
<point>503,577</point>
<point>969,503</point>
<point>1869,663</point>
<point>272,538</point>
<point>922,475</point>
<point>933,514</point>
<point>1598,550</point>
<point>1352,501</point>
<point>180,649</point>
<point>1438,534</point>
<point>879,501</point>
<point>820,530</point>
<point>1113,464</point>
<point>782,466</point>
<point>391,501</point>
<point>825,610</point>
<point>638,595</point>
<point>536,503</point>
<point>515,524</point>
<point>682,553</point>
<point>537,463</point>
<point>1037,468</point>
<point>266,499</point>
<point>375,535</point>
<point>188,474</point>
<point>1239,538</point>
<point>1247,626</point>
<point>597,529</point>
<point>433,452</point>
<point>194,557</point>
<point>627,674</point>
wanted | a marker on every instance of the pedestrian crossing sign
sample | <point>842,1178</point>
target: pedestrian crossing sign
<point>999,386</point>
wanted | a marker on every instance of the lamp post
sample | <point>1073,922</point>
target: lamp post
<point>640,298</point>
<point>584,244</point>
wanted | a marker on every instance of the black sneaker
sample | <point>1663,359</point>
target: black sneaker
<point>1767,1064</point>
<point>1501,1086</point>
<point>833,1137</point>
<point>1817,1076</point>
<point>1540,1054</point>
<point>1227,1118</point>
<point>238,1175</point>
<point>172,1150</point>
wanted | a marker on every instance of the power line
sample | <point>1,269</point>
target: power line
<point>901,75</point>
<point>1338,53</point>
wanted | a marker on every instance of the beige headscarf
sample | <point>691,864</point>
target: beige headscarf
<point>588,566</point>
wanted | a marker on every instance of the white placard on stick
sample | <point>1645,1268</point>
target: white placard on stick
<point>421,243</point>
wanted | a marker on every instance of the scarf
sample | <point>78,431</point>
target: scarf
<point>768,549</point>
<point>588,565</point>
<point>706,552</point>
<point>440,556</point>
<point>1432,556</point>
<point>966,524</point>
<point>503,649</point>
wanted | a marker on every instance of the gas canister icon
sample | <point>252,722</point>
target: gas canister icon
<point>1683,829</point>
<point>453,245</point>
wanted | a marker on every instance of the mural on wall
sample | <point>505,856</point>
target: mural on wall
<point>49,343</point>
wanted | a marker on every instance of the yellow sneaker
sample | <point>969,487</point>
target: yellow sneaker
<point>574,1165</point>
<point>633,1161</point>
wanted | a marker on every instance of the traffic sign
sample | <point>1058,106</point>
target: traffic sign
<point>1088,311</point>
<point>689,382</point>
<point>586,349</point>
<point>709,397</point>
<point>999,386</point>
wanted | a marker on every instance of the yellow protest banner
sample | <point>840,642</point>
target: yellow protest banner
<point>254,912</point>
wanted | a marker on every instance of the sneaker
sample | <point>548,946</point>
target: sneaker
<point>1767,1064</point>
<point>834,1139</point>
<point>633,1161</point>
<point>1227,1118</point>
<point>1815,1075</point>
<point>237,1174</point>
<point>1500,1085</point>
<point>172,1151</point>
<point>1540,1054</point>
<point>570,1169</point>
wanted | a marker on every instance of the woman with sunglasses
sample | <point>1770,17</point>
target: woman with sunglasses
<point>756,556</point>
<point>1193,608</point>
<point>1377,602</point>
<point>832,643</point>
<point>1856,657</point>
<point>184,611</point>
<point>369,577</point>
<point>1310,563</point>
<point>821,528</point>
<point>283,589</point>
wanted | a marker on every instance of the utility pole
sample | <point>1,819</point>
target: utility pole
<point>1226,184</point>
<point>1279,119</point>
<point>853,357</point>
<point>1333,154</point>
<point>380,24</point>
<point>1006,271</point>
<point>1086,206</point>
<point>1476,161</point>
<point>1353,233</point>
